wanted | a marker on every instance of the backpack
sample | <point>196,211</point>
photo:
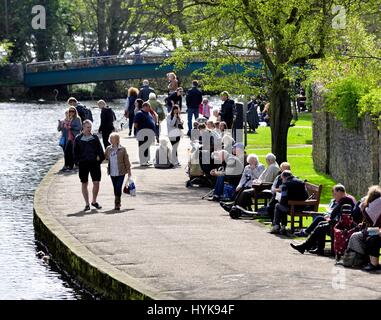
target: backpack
<point>343,230</point>
<point>353,259</point>
<point>356,213</point>
<point>84,112</point>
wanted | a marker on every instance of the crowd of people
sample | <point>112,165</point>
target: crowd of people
<point>216,160</point>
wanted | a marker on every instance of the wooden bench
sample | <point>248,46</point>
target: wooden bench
<point>262,192</point>
<point>298,208</point>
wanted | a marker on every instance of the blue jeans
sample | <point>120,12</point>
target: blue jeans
<point>117,182</point>
<point>219,187</point>
<point>191,112</point>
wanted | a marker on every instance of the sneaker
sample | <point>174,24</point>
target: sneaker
<point>214,198</point>
<point>96,205</point>
<point>371,267</point>
<point>87,208</point>
<point>275,229</point>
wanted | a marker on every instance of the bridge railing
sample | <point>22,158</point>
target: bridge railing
<point>105,61</point>
<point>92,62</point>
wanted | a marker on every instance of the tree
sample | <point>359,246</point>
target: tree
<point>285,33</point>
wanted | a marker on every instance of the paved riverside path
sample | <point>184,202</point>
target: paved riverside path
<point>170,244</point>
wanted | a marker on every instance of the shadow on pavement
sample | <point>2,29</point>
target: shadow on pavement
<point>82,213</point>
<point>117,211</point>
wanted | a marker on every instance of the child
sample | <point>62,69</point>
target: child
<point>205,108</point>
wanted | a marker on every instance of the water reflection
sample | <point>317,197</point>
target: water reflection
<point>29,147</point>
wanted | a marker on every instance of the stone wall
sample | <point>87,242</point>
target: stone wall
<point>351,157</point>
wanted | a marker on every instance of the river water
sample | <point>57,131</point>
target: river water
<point>29,147</point>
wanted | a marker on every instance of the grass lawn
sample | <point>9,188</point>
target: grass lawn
<point>299,154</point>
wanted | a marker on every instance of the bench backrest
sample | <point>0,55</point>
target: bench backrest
<point>314,191</point>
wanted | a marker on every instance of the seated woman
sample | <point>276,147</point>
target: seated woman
<point>363,242</point>
<point>251,172</point>
<point>323,225</point>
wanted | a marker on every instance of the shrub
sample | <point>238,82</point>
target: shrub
<point>371,103</point>
<point>343,97</point>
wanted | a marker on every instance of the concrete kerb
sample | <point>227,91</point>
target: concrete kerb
<point>67,251</point>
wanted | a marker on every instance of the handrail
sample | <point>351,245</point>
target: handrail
<point>105,60</point>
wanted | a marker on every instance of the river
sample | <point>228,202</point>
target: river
<point>29,147</point>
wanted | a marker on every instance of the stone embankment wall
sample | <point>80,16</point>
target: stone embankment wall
<point>351,156</point>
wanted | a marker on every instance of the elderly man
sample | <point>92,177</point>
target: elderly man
<point>145,90</point>
<point>321,225</point>
<point>291,189</point>
<point>271,171</point>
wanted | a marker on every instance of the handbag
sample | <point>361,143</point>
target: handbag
<point>62,142</point>
<point>126,189</point>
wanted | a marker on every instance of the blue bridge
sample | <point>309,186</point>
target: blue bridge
<point>97,69</point>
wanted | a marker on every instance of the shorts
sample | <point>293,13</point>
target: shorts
<point>92,167</point>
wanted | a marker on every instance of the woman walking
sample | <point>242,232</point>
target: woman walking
<point>118,166</point>
<point>129,111</point>
<point>71,127</point>
<point>175,125</point>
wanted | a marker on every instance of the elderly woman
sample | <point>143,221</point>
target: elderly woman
<point>71,126</point>
<point>364,242</point>
<point>118,166</point>
<point>251,172</point>
<point>156,106</point>
<point>107,122</point>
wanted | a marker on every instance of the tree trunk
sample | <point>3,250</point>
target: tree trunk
<point>114,46</point>
<point>101,18</point>
<point>280,116</point>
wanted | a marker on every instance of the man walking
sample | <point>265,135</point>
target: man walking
<point>145,133</point>
<point>193,101</point>
<point>88,155</point>
<point>227,109</point>
<point>145,90</point>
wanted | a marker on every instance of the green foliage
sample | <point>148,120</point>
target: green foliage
<point>351,70</point>
<point>342,100</point>
<point>371,103</point>
<point>5,51</point>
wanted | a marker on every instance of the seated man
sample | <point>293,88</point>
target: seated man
<point>291,189</point>
<point>251,172</point>
<point>268,175</point>
<point>322,225</point>
<point>340,197</point>
<point>275,188</point>
<point>231,170</point>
